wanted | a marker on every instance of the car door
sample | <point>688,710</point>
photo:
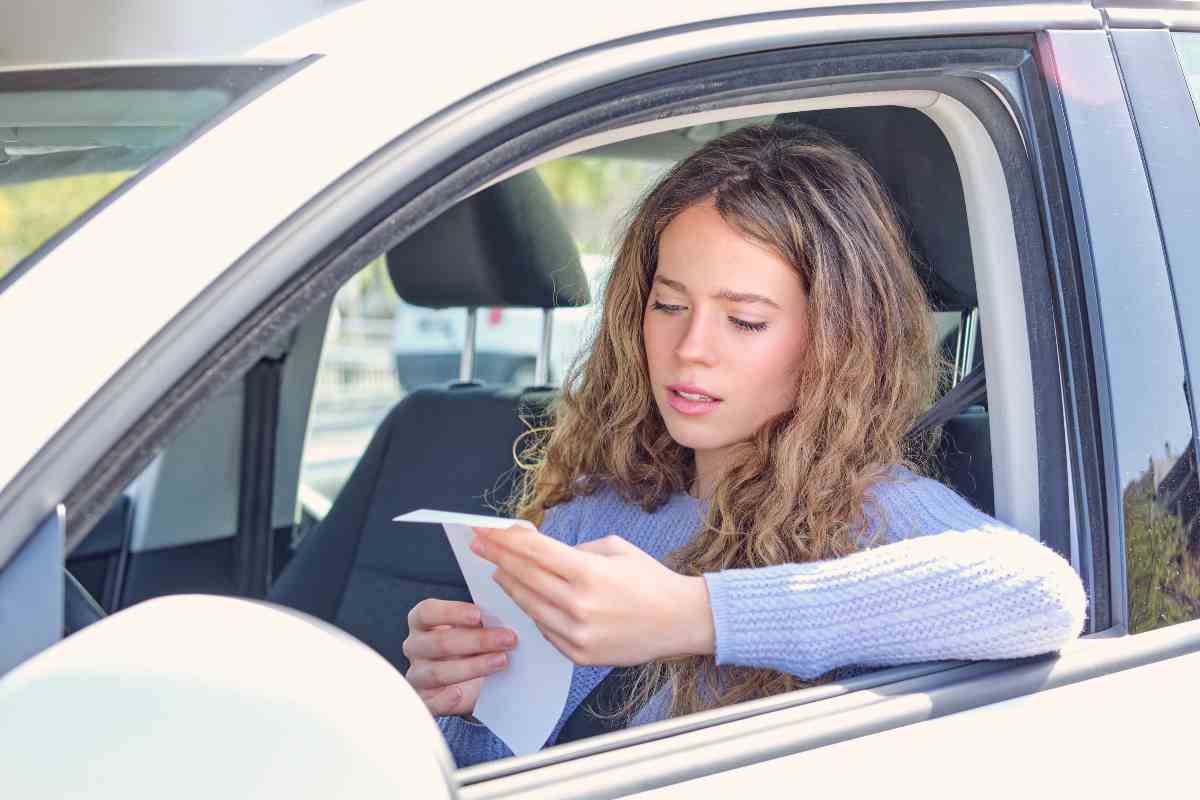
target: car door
<point>1019,136</point>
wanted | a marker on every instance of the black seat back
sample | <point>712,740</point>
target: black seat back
<point>965,457</point>
<point>446,448</point>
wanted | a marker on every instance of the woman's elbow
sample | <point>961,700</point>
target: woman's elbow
<point>1057,601</point>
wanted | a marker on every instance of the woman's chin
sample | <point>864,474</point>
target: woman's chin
<point>686,436</point>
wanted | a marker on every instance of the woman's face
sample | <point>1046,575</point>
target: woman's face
<point>725,329</point>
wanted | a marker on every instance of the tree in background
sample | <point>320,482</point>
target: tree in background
<point>30,213</point>
<point>595,194</point>
<point>1163,573</point>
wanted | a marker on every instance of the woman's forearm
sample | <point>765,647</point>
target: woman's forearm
<point>979,594</point>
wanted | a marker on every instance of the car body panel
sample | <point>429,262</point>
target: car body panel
<point>312,119</point>
<point>1034,745</point>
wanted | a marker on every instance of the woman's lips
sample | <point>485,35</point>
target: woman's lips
<point>691,400</point>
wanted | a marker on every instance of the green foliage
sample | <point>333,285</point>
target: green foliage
<point>30,213</point>
<point>594,194</point>
<point>1163,576</point>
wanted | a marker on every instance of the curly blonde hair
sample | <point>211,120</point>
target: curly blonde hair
<point>797,490</point>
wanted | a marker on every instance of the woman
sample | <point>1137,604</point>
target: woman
<point>727,495</point>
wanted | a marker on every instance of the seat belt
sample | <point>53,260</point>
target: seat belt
<point>581,724</point>
<point>969,391</point>
<point>252,548</point>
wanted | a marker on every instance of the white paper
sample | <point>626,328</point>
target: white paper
<point>521,703</point>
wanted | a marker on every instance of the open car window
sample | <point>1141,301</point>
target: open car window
<point>69,138</point>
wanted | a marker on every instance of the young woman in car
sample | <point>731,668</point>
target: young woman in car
<point>727,496</point>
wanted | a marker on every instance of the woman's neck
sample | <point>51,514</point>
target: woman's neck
<point>710,464</point>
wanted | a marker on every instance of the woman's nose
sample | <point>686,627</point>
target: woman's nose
<point>697,344</point>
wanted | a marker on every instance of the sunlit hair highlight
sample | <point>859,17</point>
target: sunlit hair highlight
<point>798,490</point>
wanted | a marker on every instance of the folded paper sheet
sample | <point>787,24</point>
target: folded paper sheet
<point>521,703</point>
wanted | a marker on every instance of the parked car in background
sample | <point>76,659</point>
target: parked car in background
<point>182,613</point>
<point>428,342</point>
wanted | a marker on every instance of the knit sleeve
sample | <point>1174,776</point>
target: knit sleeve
<point>951,583</point>
<point>562,521</point>
<point>471,742</point>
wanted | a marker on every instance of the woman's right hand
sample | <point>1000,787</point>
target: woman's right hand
<point>449,653</point>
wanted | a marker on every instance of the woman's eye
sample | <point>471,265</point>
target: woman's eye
<point>670,309</point>
<point>748,326</point>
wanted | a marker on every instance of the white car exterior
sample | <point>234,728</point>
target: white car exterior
<point>395,90</point>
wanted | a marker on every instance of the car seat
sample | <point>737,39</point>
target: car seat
<point>448,446</point>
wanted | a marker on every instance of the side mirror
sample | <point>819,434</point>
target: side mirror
<point>203,696</point>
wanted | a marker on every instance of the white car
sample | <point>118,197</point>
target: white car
<point>428,342</point>
<point>160,353</point>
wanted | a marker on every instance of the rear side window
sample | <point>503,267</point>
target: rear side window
<point>71,137</point>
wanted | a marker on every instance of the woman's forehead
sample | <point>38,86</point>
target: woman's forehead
<point>702,253</point>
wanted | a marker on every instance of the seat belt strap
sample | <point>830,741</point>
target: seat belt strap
<point>969,391</point>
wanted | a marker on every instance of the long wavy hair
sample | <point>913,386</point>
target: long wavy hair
<point>798,490</point>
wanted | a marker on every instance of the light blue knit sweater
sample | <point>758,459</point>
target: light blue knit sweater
<point>946,582</point>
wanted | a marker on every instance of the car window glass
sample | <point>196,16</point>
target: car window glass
<point>358,380</point>
<point>69,138</point>
<point>593,193</point>
<point>1160,501</point>
<point>1188,46</point>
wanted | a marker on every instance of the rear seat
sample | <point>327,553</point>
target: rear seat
<point>445,447</point>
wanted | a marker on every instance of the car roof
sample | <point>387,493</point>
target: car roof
<point>376,29</point>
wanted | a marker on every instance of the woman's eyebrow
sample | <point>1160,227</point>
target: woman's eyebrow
<point>723,294</point>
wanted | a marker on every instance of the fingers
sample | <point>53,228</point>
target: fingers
<point>446,703</point>
<point>607,546</point>
<point>426,675</point>
<point>457,642</point>
<point>529,572</point>
<point>566,647</point>
<point>543,612</point>
<point>549,553</point>
<point>431,612</point>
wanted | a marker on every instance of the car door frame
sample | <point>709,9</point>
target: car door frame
<point>516,145</point>
<point>366,235</point>
<point>1167,123</point>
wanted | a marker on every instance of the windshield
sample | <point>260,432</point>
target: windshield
<point>71,137</point>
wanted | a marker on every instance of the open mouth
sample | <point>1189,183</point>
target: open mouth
<point>695,397</point>
<point>691,400</point>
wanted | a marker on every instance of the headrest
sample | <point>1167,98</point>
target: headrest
<point>504,246</point>
<point>912,157</point>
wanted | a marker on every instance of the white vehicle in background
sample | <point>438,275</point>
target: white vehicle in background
<point>428,342</point>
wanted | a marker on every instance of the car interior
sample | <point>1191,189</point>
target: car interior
<point>209,516</point>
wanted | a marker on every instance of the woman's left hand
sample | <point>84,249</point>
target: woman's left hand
<point>601,603</point>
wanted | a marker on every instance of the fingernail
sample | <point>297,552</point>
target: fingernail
<point>471,618</point>
<point>477,547</point>
<point>495,662</point>
<point>507,640</point>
